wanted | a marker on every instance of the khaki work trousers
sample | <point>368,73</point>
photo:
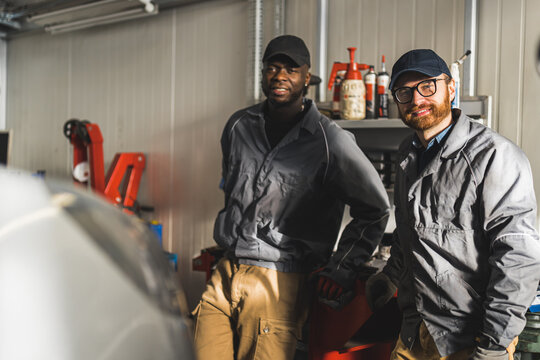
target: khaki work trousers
<point>250,312</point>
<point>424,348</point>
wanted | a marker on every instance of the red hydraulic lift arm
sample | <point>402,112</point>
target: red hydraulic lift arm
<point>125,170</point>
<point>128,167</point>
<point>87,144</point>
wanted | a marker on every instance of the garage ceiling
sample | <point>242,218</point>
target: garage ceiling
<point>55,16</point>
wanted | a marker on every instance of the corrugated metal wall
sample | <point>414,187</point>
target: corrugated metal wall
<point>163,85</point>
<point>509,33</point>
<point>381,27</point>
<point>166,85</point>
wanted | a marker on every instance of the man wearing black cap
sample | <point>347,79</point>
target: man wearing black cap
<point>287,173</point>
<point>466,255</point>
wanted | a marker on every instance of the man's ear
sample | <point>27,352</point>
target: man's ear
<point>308,77</point>
<point>452,89</point>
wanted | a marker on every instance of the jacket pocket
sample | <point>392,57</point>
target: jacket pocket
<point>456,296</point>
<point>277,338</point>
<point>453,208</point>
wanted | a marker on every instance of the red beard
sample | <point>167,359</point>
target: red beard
<point>438,113</point>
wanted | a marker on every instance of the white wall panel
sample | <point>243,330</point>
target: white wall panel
<point>405,27</point>
<point>511,57</point>
<point>530,130</point>
<point>530,78</point>
<point>38,92</point>
<point>509,33</point>
<point>489,49</point>
<point>301,20</point>
<point>121,81</point>
<point>424,24</point>
<point>386,32</point>
<point>211,65</point>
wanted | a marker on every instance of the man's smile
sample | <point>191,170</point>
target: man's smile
<point>279,91</point>
<point>421,112</point>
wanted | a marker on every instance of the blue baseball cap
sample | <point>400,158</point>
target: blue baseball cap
<point>424,61</point>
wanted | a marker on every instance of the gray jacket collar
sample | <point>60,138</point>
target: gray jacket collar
<point>309,122</point>
<point>458,137</point>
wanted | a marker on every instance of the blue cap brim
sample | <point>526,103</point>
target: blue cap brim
<point>424,71</point>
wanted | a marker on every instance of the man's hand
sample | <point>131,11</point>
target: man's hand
<point>485,354</point>
<point>333,294</point>
<point>481,353</point>
<point>328,288</point>
<point>379,290</point>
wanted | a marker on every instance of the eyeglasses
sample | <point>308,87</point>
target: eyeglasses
<point>426,88</point>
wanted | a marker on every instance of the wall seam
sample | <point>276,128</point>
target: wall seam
<point>413,35</point>
<point>378,34</point>
<point>360,46</point>
<point>454,29</point>
<point>394,32</point>
<point>433,33</point>
<point>69,101</point>
<point>498,67</point>
<point>3,83</point>
<point>521,82</point>
<point>171,133</point>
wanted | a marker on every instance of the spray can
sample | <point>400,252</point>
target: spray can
<point>370,80</point>
<point>352,104</point>
<point>383,81</point>
<point>454,71</point>
<point>336,95</point>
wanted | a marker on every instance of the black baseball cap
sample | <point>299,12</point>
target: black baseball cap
<point>424,61</point>
<point>289,45</point>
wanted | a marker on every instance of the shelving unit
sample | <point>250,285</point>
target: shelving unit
<point>477,107</point>
<point>381,135</point>
<point>371,124</point>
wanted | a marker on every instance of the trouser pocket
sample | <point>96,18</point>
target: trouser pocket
<point>213,337</point>
<point>277,339</point>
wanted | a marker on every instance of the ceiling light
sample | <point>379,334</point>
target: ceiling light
<point>94,14</point>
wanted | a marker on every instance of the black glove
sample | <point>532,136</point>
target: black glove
<point>328,288</point>
<point>488,349</point>
<point>379,290</point>
<point>333,294</point>
<point>485,354</point>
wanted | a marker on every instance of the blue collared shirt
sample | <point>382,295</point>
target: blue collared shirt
<point>425,155</point>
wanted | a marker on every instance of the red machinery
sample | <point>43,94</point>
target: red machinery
<point>125,170</point>
<point>207,260</point>
<point>353,332</point>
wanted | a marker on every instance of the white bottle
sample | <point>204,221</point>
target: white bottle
<point>353,99</point>
<point>454,71</point>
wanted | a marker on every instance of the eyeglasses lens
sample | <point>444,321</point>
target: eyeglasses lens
<point>425,88</point>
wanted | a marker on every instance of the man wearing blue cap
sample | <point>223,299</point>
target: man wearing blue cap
<point>287,173</point>
<point>466,255</point>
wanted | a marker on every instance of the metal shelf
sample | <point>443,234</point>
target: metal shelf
<point>477,107</point>
<point>371,124</point>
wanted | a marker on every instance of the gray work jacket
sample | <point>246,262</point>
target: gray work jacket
<point>284,205</point>
<point>466,255</point>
